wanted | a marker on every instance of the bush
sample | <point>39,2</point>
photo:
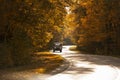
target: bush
<point>5,56</point>
<point>21,48</point>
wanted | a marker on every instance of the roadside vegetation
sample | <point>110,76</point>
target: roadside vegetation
<point>26,27</point>
<point>94,26</point>
<point>46,62</point>
<point>74,48</point>
<point>41,63</point>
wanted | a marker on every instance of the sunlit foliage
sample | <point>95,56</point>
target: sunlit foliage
<point>97,25</point>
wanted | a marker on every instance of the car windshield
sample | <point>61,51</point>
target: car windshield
<point>57,43</point>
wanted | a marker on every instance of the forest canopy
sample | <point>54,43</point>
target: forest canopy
<point>27,26</point>
<point>96,25</point>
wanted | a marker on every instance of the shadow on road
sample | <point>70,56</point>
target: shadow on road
<point>78,70</point>
<point>96,59</point>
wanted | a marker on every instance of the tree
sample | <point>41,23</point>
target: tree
<point>28,26</point>
<point>97,25</point>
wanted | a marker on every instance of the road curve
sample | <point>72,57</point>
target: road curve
<point>81,67</point>
<point>88,67</point>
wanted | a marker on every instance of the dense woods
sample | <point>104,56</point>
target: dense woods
<point>96,25</point>
<point>27,26</point>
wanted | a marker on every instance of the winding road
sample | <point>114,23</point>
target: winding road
<point>88,67</point>
<point>81,67</point>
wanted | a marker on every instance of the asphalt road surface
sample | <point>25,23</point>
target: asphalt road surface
<point>88,67</point>
<point>81,67</point>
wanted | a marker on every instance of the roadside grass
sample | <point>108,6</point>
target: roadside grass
<point>73,48</point>
<point>117,56</point>
<point>46,61</point>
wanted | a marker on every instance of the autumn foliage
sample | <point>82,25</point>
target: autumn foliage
<point>27,26</point>
<point>96,25</point>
